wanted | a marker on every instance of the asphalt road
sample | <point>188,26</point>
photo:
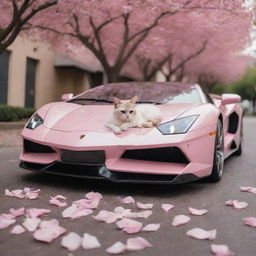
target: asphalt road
<point>168,240</point>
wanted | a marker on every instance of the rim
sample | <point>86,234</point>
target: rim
<point>219,150</point>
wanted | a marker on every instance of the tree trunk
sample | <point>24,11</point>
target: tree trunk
<point>113,75</point>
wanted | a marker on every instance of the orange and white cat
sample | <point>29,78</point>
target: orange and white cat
<point>128,114</point>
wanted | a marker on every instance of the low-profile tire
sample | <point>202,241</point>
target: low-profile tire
<point>239,151</point>
<point>218,158</point>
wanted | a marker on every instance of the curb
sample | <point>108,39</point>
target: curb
<point>12,125</point>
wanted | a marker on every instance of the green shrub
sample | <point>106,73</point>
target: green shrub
<point>10,114</point>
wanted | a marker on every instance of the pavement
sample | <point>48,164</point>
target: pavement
<point>168,240</point>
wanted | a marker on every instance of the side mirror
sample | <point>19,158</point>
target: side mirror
<point>67,96</point>
<point>229,98</point>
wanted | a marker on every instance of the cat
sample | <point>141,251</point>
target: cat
<point>127,114</point>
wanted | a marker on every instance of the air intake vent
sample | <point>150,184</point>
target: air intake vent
<point>233,123</point>
<point>167,154</point>
<point>32,147</point>
<point>90,156</point>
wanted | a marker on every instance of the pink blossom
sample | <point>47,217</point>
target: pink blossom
<point>128,200</point>
<point>72,241</point>
<point>116,248</point>
<point>167,207</point>
<point>90,242</point>
<point>199,233</point>
<point>180,220</point>
<point>137,243</point>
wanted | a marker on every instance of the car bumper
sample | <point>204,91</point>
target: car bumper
<point>196,146</point>
<point>101,172</point>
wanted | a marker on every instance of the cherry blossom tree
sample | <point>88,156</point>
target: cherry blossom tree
<point>129,37</point>
<point>15,15</point>
<point>118,31</point>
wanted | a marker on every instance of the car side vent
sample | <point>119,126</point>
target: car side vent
<point>233,145</point>
<point>32,147</point>
<point>166,154</point>
<point>233,123</point>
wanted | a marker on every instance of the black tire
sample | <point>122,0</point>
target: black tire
<point>218,158</point>
<point>240,151</point>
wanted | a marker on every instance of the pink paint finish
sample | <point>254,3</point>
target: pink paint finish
<point>82,127</point>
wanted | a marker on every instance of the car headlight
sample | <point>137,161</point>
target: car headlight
<point>34,121</point>
<point>177,126</point>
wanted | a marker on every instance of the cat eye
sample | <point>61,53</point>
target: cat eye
<point>122,111</point>
<point>131,111</point>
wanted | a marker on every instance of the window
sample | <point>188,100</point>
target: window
<point>30,83</point>
<point>4,72</point>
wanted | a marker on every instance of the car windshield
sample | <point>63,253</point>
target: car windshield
<point>164,93</point>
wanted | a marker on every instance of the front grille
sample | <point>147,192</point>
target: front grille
<point>90,156</point>
<point>32,147</point>
<point>166,154</point>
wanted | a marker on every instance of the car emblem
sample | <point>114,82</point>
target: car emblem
<point>82,136</point>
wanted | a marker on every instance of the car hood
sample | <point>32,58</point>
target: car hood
<point>69,117</point>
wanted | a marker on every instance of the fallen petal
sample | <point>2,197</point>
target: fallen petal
<point>151,227</point>
<point>68,212</point>
<point>144,214</point>
<point>55,200</point>
<point>90,242</point>
<point>107,216</point>
<point>229,202</point>
<point>31,224</point>
<point>87,204</point>
<point>197,212</point>
<point>239,205</point>
<point>251,221</point>
<point>129,226</point>
<point>18,229</point>
<point>167,207</point>
<point>128,200</point>
<point>35,212</point>
<point>236,204</point>
<point>72,241</point>
<point>144,206</point>
<point>245,189</point>
<point>31,193</point>
<point>221,250</point>
<point>61,197</point>
<point>18,212</point>
<point>180,220</point>
<point>81,213</point>
<point>116,248</point>
<point>49,230</point>
<point>5,222</point>
<point>252,190</point>
<point>202,234</point>
<point>93,195</point>
<point>137,243</point>
<point>18,193</point>
<point>44,235</point>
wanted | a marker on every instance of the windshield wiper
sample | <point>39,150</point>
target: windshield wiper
<point>149,102</point>
<point>91,99</point>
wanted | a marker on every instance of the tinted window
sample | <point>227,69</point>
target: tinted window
<point>164,93</point>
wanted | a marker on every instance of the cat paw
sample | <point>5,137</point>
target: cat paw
<point>148,125</point>
<point>124,127</point>
<point>139,125</point>
<point>117,130</point>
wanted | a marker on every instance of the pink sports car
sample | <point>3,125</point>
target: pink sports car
<point>198,131</point>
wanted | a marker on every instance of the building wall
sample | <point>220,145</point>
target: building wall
<point>50,83</point>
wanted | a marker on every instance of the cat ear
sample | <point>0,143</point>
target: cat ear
<point>116,101</point>
<point>134,99</point>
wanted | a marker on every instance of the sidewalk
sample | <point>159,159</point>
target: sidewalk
<point>10,133</point>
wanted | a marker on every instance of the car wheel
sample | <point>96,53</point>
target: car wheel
<point>218,158</point>
<point>239,151</point>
